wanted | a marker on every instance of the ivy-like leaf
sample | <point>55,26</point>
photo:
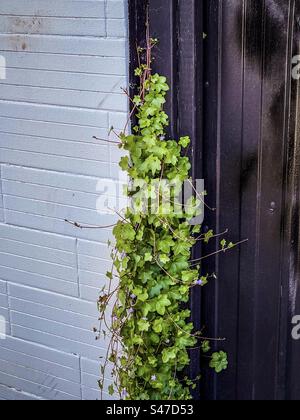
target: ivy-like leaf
<point>143,325</point>
<point>205,346</point>
<point>184,141</point>
<point>169,354</point>
<point>151,164</point>
<point>219,361</point>
<point>162,303</point>
<point>158,325</point>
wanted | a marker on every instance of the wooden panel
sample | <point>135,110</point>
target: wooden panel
<point>249,151</point>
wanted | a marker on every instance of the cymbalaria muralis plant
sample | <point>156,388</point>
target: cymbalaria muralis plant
<point>150,335</point>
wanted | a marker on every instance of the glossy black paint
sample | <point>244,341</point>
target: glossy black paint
<point>233,92</point>
<point>255,153</point>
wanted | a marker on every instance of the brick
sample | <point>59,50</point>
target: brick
<point>58,211</point>
<point>53,314</point>
<point>116,9</point>
<point>42,353</point>
<point>11,394</point>
<point>89,293</point>
<point>59,343</point>
<point>58,329</point>
<point>92,264</point>
<point>71,149</point>
<point>53,300</point>
<point>66,80</point>
<point>53,26</point>
<point>52,129</point>
<point>64,97</point>
<point>94,249</point>
<point>54,383</point>
<point>118,120</point>
<point>116,28</point>
<point>3,287</point>
<point>55,162</point>
<point>39,365</point>
<point>3,301</point>
<point>56,114</point>
<point>66,181</point>
<point>38,253</point>
<point>93,394</point>
<point>35,237</point>
<point>59,226</point>
<point>92,367</point>
<point>83,9</point>
<point>67,63</point>
<point>33,388</point>
<point>36,280</point>
<point>111,47</point>
<point>95,280</point>
<point>35,266</point>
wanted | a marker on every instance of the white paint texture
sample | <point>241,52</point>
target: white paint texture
<point>66,61</point>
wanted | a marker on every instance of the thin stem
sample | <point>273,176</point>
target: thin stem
<point>199,197</point>
<point>218,252</point>
<point>79,226</point>
<point>107,141</point>
<point>202,237</point>
<point>112,130</point>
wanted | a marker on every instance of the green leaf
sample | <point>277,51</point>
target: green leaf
<point>189,276</point>
<point>184,141</point>
<point>158,325</point>
<point>162,303</point>
<point>164,259</point>
<point>141,293</point>
<point>219,361</point>
<point>165,244</point>
<point>143,325</point>
<point>109,275</point>
<point>182,248</point>
<point>137,100</point>
<point>124,163</point>
<point>223,243</point>
<point>122,297</point>
<point>146,308</point>
<point>138,72</point>
<point>205,346</point>
<point>155,339</point>
<point>151,164</point>
<point>152,361</point>
<point>148,257</point>
<point>169,354</point>
<point>124,234</point>
<point>208,236</point>
<point>196,229</point>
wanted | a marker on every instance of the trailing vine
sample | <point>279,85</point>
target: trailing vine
<point>146,316</point>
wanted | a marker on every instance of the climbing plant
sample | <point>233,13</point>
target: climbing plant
<point>146,315</point>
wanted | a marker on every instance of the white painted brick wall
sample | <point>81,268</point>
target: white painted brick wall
<point>67,60</point>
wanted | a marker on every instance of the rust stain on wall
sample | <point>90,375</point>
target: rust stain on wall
<point>31,25</point>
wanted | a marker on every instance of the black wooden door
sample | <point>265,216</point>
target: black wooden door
<point>230,65</point>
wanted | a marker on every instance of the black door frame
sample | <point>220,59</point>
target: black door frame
<point>178,56</point>
<point>216,55</point>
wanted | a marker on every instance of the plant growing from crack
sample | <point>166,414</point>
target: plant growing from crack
<point>145,315</point>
